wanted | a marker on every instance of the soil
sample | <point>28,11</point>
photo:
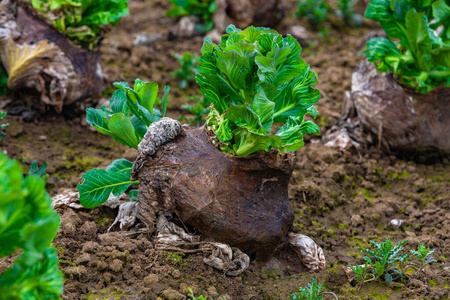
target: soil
<point>341,200</point>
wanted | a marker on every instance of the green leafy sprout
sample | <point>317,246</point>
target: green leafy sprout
<point>347,13</point>
<point>316,11</point>
<point>423,255</point>
<point>130,112</point>
<point>313,291</point>
<point>27,222</point>
<point>2,126</point>
<point>255,79</point>
<point>389,263</point>
<point>386,258</point>
<point>200,110</point>
<point>82,21</point>
<point>188,69</point>
<point>319,12</point>
<point>418,49</point>
<point>205,9</point>
<point>362,273</point>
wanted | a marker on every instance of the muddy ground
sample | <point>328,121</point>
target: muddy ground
<point>341,200</point>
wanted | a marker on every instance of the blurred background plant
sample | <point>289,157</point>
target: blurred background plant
<point>320,12</point>
<point>200,110</point>
<point>202,8</point>
<point>186,74</point>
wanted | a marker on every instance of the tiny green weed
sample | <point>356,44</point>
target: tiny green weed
<point>188,69</point>
<point>389,264</point>
<point>313,291</point>
<point>316,11</point>
<point>203,8</point>
<point>423,255</point>
<point>200,110</point>
<point>362,274</point>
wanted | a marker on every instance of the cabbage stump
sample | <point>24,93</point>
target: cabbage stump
<point>242,201</point>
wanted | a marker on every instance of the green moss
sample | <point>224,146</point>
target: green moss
<point>402,175</point>
<point>342,226</point>
<point>384,295</point>
<point>272,273</point>
<point>443,258</point>
<point>106,294</point>
<point>330,233</point>
<point>104,221</point>
<point>367,195</point>
<point>433,283</point>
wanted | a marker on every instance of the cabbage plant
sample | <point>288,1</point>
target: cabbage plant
<point>27,222</point>
<point>82,21</point>
<point>418,49</point>
<point>127,118</point>
<point>256,81</point>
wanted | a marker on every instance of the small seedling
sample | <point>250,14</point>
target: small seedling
<point>2,134</point>
<point>203,8</point>
<point>389,262</point>
<point>188,69</point>
<point>347,13</point>
<point>386,258</point>
<point>200,110</point>
<point>362,273</point>
<point>316,11</point>
<point>313,291</point>
<point>130,113</point>
<point>35,170</point>
<point>423,255</point>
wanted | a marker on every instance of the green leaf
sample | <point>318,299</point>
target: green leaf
<point>264,109</point>
<point>148,92</point>
<point>27,222</point>
<point>224,133</point>
<point>41,280</point>
<point>35,170</point>
<point>118,102</point>
<point>248,143</point>
<point>122,128</point>
<point>133,195</point>
<point>243,116</point>
<point>120,166</point>
<point>296,97</point>
<point>99,184</point>
<point>234,67</point>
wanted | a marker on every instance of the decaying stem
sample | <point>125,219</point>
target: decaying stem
<point>40,60</point>
<point>158,133</point>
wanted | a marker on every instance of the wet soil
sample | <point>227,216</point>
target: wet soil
<point>341,200</point>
